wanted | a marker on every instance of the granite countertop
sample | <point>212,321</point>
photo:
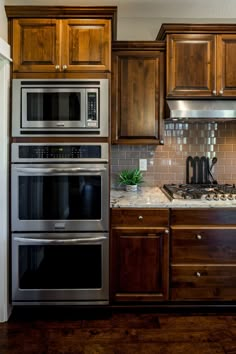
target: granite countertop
<point>153,197</point>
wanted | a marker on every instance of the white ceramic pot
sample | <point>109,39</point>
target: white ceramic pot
<point>131,188</point>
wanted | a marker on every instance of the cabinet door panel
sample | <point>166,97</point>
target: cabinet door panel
<point>226,65</point>
<point>139,103</point>
<point>137,97</point>
<point>140,264</point>
<point>191,65</point>
<point>36,45</point>
<point>87,45</point>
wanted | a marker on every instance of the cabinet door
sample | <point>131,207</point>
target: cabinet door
<point>137,97</point>
<point>86,45</point>
<point>191,65</point>
<point>36,45</point>
<point>226,65</point>
<point>139,264</point>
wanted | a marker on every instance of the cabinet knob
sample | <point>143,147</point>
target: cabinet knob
<point>198,274</point>
<point>199,237</point>
<point>161,142</point>
<point>64,67</point>
<point>140,217</point>
<point>57,67</point>
<point>166,231</point>
<point>214,92</point>
<point>221,92</point>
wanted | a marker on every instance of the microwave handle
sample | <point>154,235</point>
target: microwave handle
<point>58,170</point>
<point>47,241</point>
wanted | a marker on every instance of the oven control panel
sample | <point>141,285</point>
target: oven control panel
<point>59,151</point>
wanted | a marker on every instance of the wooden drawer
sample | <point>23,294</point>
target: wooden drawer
<point>140,217</point>
<point>203,282</point>
<point>216,216</point>
<point>203,246</point>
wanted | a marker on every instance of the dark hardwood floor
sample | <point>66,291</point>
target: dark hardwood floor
<point>64,331</point>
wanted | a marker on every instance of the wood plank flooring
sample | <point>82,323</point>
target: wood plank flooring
<point>63,331</point>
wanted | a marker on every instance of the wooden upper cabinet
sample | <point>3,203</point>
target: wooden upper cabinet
<point>191,65</point>
<point>137,93</point>
<point>67,45</point>
<point>87,45</point>
<point>200,59</point>
<point>36,45</point>
<point>226,64</point>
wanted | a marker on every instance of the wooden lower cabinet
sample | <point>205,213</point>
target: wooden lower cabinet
<point>139,256</point>
<point>203,254</point>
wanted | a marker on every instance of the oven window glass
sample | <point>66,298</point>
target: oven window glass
<point>60,267</point>
<point>59,197</point>
<point>53,106</point>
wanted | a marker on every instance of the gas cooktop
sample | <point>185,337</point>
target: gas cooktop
<point>211,192</point>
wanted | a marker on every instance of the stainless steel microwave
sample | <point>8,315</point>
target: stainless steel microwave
<point>71,107</point>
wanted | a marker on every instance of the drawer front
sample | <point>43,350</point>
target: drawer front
<point>140,217</point>
<point>216,216</point>
<point>203,282</point>
<point>203,246</point>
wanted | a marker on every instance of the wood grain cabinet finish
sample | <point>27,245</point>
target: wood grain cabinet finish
<point>201,65</point>
<point>139,256</point>
<point>61,46</point>
<point>137,92</point>
<point>203,254</point>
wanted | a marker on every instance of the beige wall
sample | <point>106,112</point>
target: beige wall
<point>141,19</point>
<point>3,21</point>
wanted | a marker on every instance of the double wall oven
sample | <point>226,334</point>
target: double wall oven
<point>60,223</point>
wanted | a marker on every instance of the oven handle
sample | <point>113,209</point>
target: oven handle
<point>49,241</point>
<point>58,170</point>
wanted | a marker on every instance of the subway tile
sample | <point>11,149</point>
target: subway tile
<point>166,163</point>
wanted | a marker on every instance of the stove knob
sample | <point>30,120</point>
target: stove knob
<point>230,197</point>
<point>216,197</point>
<point>223,197</point>
<point>208,197</point>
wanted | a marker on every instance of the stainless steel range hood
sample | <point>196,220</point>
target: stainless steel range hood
<point>201,110</point>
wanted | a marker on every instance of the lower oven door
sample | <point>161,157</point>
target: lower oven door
<point>60,268</point>
<point>60,197</point>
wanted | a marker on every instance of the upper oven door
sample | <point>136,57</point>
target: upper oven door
<point>60,197</point>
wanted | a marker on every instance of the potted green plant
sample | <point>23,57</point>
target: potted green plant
<point>130,179</point>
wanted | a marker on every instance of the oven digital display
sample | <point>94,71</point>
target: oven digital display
<point>59,151</point>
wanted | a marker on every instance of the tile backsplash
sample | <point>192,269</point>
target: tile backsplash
<point>167,163</point>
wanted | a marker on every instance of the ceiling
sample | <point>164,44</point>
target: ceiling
<point>152,8</point>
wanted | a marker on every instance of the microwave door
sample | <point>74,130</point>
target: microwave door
<point>50,108</point>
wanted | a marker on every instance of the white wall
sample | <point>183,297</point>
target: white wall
<point>3,21</point>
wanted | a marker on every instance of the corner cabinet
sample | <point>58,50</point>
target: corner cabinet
<point>139,255</point>
<point>137,92</point>
<point>61,43</point>
<point>200,60</point>
<point>203,254</point>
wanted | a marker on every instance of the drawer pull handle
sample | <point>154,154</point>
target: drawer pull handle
<point>140,217</point>
<point>199,237</point>
<point>198,274</point>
